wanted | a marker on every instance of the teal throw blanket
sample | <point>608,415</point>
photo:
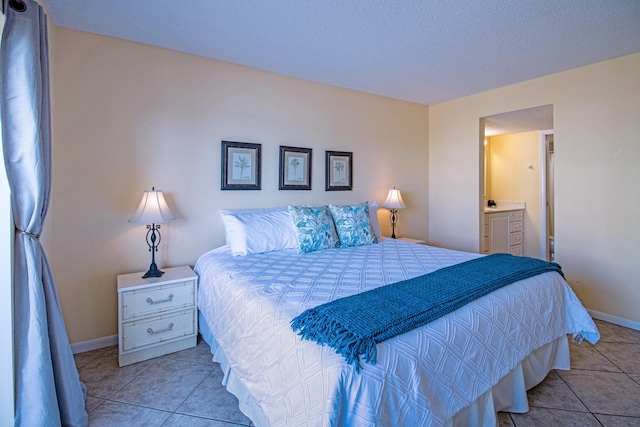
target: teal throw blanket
<point>354,325</point>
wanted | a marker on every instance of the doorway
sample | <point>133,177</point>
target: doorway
<point>527,168</point>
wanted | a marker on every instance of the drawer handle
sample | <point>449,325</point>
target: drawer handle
<point>150,301</point>
<point>152,332</point>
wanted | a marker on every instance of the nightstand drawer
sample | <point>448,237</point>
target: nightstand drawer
<point>158,329</point>
<point>158,299</point>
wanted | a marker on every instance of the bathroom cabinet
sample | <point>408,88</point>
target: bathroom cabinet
<point>503,232</point>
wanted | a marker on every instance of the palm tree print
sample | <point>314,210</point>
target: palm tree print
<point>339,167</point>
<point>294,164</point>
<point>242,163</point>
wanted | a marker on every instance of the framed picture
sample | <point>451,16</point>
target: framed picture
<point>240,166</point>
<point>295,168</point>
<point>338,171</point>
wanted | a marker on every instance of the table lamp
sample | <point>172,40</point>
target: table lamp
<point>153,210</point>
<point>394,202</point>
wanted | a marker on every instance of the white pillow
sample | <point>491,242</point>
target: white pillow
<point>373,219</point>
<point>251,231</point>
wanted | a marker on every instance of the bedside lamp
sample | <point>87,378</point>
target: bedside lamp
<point>153,209</point>
<point>394,202</point>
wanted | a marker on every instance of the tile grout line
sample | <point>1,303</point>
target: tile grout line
<point>610,361</point>
<point>125,384</point>
<point>577,397</point>
<point>189,395</point>
<point>158,360</point>
<point>621,371</point>
<point>201,416</point>
<point>576,394</point>
<point>145,407</point>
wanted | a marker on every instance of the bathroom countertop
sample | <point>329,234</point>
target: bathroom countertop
<point>499,209</point>
<point>505,206</point>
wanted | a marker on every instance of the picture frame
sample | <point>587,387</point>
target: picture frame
<point>338,171</point>
<point>241,166</point>
<point>295,168</point>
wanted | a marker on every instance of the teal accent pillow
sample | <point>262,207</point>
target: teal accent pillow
<point>353,225</point>
<point>315,229</point>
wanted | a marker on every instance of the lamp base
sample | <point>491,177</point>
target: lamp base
<point>394,221</point>
<point>153,240</point>
<point>153,272</point>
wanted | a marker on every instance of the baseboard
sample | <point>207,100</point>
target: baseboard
<point>614,319</point>
<point>82,346</point>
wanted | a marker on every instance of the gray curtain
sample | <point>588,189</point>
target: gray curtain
<point>48,388</point>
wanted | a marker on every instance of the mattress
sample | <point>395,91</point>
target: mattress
<point>433,375</point>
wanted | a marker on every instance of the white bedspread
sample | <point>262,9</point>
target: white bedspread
<point>422,377</point>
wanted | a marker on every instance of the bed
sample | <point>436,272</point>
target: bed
<point>460,369</point>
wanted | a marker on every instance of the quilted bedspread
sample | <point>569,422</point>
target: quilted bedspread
<point>422,377</point>
<point>355,324</point>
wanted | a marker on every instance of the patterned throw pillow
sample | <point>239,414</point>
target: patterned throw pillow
<point>315,228</point>
<point>353,225</point>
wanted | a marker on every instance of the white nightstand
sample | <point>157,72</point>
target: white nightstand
<point>156,316</point>
<point>410,240</point>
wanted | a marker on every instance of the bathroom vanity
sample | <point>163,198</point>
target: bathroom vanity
<point>504,228</point>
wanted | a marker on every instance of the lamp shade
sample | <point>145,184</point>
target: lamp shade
<point>153,209</point>
<point>394,200</point>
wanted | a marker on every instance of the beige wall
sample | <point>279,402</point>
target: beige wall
<point>130,116</point>
<point>597,198</point>
<point>510,178</point>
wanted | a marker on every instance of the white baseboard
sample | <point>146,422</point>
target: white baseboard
<point>82,346</point>
<point>614,319</point>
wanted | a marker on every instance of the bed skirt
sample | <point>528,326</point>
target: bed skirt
<point>509,395</point>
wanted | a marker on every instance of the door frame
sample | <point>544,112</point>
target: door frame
<point>544,229</point>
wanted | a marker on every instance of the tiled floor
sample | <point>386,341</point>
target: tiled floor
<point>180,389</point>
<point>184,388</point>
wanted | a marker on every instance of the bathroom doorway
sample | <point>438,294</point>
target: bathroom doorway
<point>522,158</point>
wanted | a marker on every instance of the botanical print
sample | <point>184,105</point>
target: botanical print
<point>338,170</point>
<point>241,166</point>
<point>339,167</point>
<point>296,169</point>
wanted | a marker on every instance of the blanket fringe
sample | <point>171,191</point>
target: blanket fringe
<point>314,326</point>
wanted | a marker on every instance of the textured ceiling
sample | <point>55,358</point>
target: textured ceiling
<point>426,51</point>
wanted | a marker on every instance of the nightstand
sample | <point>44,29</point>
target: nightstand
<point>410,240</point>
<point>156,316</point>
